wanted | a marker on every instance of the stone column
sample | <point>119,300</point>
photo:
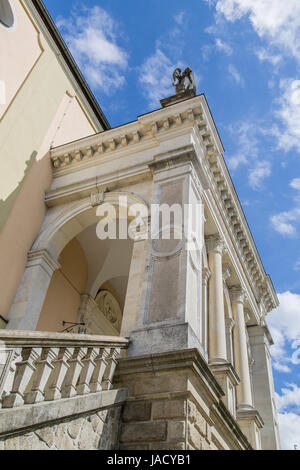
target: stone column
<point>241,359</point>
<point>204,336</point>
<point>28,302</point>
<point>217,331</point>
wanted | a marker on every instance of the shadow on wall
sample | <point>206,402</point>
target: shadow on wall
<point>7,204</point>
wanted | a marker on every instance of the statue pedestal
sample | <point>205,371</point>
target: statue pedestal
<point>184,95</point>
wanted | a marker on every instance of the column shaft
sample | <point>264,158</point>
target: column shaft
<point>241,360</point>
<point>217,331</point>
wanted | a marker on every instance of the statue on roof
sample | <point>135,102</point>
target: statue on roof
<point>185,81</point>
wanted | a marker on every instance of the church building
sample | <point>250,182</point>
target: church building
<point>134,303</point>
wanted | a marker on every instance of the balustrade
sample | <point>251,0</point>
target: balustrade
<point>50,366</point>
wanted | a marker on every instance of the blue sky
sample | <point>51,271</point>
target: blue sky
<point>245,55</point>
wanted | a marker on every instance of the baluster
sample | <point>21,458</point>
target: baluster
<point>69,387</point>
<point>43,370</point>
<point>101,364</point>
<point>58,374</point>
<point>110,369</point>
<point>8,372</point>
<point>87,371</point>
<point>23,374</point>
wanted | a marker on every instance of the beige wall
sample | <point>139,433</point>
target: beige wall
<point>42,109</point>
<point>67,285</point>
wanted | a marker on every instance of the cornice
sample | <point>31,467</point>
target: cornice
<point>166,124</point>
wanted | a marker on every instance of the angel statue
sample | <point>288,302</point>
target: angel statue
<point>185,81</point>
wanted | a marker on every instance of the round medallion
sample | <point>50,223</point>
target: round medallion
<point>6,14</point>
<point>110,308</point>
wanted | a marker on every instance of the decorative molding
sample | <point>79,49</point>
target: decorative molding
<point>237,294</point>
<point>44,259</point>
<point>97,198</point>
<point>214,243</point>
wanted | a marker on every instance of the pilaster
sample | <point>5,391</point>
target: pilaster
<point>28,302</point>
<point>263,388</point>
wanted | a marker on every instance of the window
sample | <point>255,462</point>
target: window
<point>6,14</point>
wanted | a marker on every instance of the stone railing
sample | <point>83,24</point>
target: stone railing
<point>38,366</point>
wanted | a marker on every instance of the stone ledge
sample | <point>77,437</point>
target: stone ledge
<point>27,417</point>
<point>250,415</point>
<point>154,363</point>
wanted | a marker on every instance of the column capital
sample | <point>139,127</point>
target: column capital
<point>214,243</point>
<point>237,294</point>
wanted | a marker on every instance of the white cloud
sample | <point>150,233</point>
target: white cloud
<point>281,367</point>
<point>285,328</point>
<point>156,72</point>
<point>286,222</point>
<point>297,265</point>
<point>247,135</point>
<point>286,317</point>
<point>156,77</point>
<point>289,398</point>
<point>180,17</point>
<point>284,323</point>
<point>276,21</point>
<point>257,174</point>
<point>92,35</point>
<point>289,114</point>
<point>223,46</point>
<point>295,184</point>
<point>263,54</point>
<point>289,427</point>
<point>236,75</point>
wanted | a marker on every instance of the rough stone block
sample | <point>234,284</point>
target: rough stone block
<point>46,435</point>
<point>74,427</point>
<point>134,447</point>
<point>103,415</point>
<point>176,430</point>
<point>87,436</point>
<point>137,411</point>
<point>146,432</point>
<point>169,446</point>
<point>12,443</point>
<point>194,437</point>
<point>168,409</point>
<point>200,424</point>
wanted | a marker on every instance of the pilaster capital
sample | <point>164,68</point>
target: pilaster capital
<point>43,259</point>
<point>214,243</point>
<point>237,294</point>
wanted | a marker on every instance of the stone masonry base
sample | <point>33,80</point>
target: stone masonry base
<point>88,422</point>
<point>174,403</point>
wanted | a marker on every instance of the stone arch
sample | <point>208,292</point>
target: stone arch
<point>66,221</point>
<point>62,223</point>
